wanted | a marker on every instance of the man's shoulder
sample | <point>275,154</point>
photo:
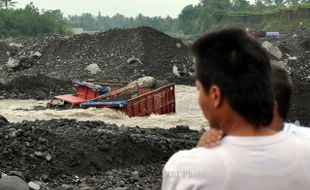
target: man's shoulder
<point>196,157</point>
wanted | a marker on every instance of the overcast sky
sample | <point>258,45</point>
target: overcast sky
<point>111,7</point>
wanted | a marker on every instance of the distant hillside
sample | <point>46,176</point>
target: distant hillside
<point>283,20</point>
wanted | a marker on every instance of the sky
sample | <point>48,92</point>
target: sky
<point>111,7</point>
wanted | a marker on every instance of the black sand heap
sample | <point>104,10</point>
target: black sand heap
<point>296,49</point>
<point>119,55</point>
<point>61,153</point>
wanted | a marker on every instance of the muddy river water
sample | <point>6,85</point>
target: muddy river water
<point>187,112</point>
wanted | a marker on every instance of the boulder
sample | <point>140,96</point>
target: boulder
<point>3,121</point>
<point>36,55</point>
<point>133,60</point>
<point>273,50</point>
<point>175,71</point>
<point>13,63</point>
<point>145,82</point>
<point>93,69</point>
<point>13,183</point>
<point>34,186</point>
<point>16,45</point>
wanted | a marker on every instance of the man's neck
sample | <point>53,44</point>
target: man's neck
<point>277,123</point>
<point>237,126</point>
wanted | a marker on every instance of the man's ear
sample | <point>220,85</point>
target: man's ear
<point>216,95</point>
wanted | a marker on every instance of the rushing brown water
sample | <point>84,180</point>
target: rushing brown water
<point>187,112</point>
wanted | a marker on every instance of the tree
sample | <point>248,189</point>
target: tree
<point>7,3</point>
<point>205,2</point>
<point>217,4</point>
<point>292,2</point>
<point>259,4</point>
<point>279,2</point>
<point>240,5</point>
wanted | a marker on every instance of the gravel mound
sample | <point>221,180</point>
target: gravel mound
<point>115,56</point>
<point>53,152</point>
<point>296,49</point>
<point>121,54</point>
<point>296,46</point>
<point>34,87</point>
<point>3,53</point>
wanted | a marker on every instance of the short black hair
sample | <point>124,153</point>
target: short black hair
<point>237,64</point>
<point>282,88</point>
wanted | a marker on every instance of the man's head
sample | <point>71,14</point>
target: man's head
<point>232,68</point>
<point>283,88</point>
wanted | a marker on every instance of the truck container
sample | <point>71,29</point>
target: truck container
<point>132,100</point>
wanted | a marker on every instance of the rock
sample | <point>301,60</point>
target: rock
<point>48,157</point>
<point>42,140</point>
<point>13,183</point>
<point>38,153</point>
<point>3,121</point>
<point>36,55</point>
<point>33,186</point>
<point>45,177</point>
<point>13,63</point>
<point>87,188</point>
<point>93,69</point>
<point>292,58</point>
<point>273,50</point>
<point>13,132</point>
<point>66,187</point>
<point>297,123</point>
<point>134,60</point>
<point>40,95</point>
<point>144,82</point>
<point>179,45</point>
<point>122,183</point>
<point>23,58</point>
<point>135,177</point>
<point>15,45</point>
<point>175,71</point>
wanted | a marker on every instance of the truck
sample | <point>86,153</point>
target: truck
<point>132,100</point>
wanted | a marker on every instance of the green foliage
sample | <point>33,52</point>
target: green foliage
<point>103,23</point>
<point>211,14</point>
<point>7,4</point>
<point>31,22</point>
<point>240,5</point>
<point>193,20</point>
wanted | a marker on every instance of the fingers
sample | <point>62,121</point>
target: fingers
<point>210,138</point>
